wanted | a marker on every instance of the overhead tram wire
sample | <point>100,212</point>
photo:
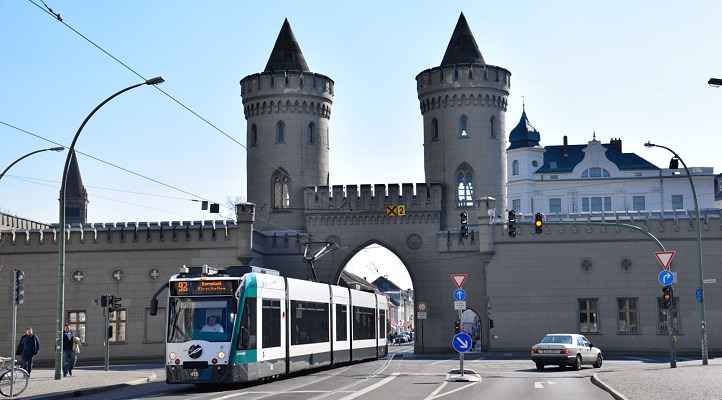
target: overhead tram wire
<point>138,174</point>
<point>56,16</point>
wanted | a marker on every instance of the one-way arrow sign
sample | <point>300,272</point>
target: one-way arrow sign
<point>665,257</point>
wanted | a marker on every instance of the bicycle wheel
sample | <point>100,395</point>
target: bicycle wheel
<point>20,382</point>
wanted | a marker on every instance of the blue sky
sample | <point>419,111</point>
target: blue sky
<point>635,70</point>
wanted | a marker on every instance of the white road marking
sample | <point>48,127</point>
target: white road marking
<point>350,385</point>
<point>538,385</point>
<point>436,391</point>
<point>551,383</point>
<point>455,390</point>
<point>438,362</point>
<point>370,388</point>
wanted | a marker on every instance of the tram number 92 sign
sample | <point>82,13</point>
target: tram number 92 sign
<point>202,288</point>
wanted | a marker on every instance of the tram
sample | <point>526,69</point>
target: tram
<point>246,323</point>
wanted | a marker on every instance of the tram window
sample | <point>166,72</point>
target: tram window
<point>271,323</point>
<point>247,334</point>
<point>364,323</point>
<point>309,322</point>
<point>382,323</point>
<point>341,322</point>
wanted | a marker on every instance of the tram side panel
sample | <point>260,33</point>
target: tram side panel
<point>382,311</point>
<point>363,326</point>
<point>309,325</point>
<point>271,325</point>
<point>341,326</point>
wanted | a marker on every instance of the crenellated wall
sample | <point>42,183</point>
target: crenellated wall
<point>472,84</point>
<point>416,197</point>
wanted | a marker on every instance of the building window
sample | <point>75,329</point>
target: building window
<point>595,172</point>
<point>677,202</point>
<point>118,321</point>
<point>515,167</point>
<point>434,130</point>
<point>628,318</point>
<point>463,127</point>
<point>555,205</point>
<point>280,132</point>
<point>638,203</point>
<point>516,205</point>
<point>309,322</point>
<point>328,140</point>
<point>492,122</point>
<point>281,197</point>
<point>464,186</point>
<point>77,321</point>
<point>662,315</point>
<point>254,135</point>
<point>341,322</point>
<point>589,315</point>
<point>311,133</point>
<point>596,204</point>
<point>271,316</point>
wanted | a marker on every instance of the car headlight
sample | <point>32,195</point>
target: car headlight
<point>172,356</point>
<point>221,355</point>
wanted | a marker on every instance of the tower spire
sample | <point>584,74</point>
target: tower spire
<point>286,54</point>
<point>76,197</point>
<point>462,48</point>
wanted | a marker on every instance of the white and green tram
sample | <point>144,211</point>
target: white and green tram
<point>244,323</point>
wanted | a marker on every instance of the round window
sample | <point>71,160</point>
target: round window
<point>535,163</point>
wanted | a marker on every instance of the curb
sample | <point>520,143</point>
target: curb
<point>604,386</point>
<point>95,390</point>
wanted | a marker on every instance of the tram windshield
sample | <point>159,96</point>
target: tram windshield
<point>201,318</point>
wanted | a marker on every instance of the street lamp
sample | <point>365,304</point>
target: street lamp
<point>705,356</point>
<point>716,82</point>
<point>60,148</point>
<point>60,317</point>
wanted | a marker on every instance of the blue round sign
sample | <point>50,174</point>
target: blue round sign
<point>665,278</point>
<point>462,342</point>
<point>459,294</point>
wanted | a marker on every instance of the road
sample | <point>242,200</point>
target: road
<point>394,378</point>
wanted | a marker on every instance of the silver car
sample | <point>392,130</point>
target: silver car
<point>564,349</point>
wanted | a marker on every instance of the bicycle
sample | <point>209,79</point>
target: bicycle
<point>15,378</point>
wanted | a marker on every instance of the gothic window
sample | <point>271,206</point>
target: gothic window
<point>311,133</point>
<point>464,186</point>
<point>463,126</point>
<point>492,122</point>
<point>515,167</point>
<point>434,130</point>
<point>281,198</point>
<point>254,135</point>
<point>280,132</point>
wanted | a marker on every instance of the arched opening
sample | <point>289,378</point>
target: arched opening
<point>374,267</point>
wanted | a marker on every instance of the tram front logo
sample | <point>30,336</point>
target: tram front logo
<point>195,351</point>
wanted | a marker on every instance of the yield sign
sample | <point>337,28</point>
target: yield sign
<point>459,279</point>
<point>665,257</point>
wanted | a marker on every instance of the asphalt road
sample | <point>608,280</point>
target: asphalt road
<point>395,378</point>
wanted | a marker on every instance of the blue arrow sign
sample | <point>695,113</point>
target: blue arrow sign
<point>698,295</point>
<point>665,278</point>
<point>459,294</point>
<point>462,342</point>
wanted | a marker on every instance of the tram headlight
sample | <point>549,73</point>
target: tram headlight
<point>221,355</point>
<point>172,356</point>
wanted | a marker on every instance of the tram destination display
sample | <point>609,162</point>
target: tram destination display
<point>203,288</point>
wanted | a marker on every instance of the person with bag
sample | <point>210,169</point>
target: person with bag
<point>27,349</point>
<point>68,354</point>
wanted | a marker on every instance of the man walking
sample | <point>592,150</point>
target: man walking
<point>68,353</point>
<point>27,349</point>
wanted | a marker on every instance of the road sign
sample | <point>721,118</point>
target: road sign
<point>395,210</point>
<point>665,257</point>
<point>667,278</point>
<point>459,294</point>
<point>462,342</point>
<point>460,305</point>
<point>422,307</point>
<point>421,315</point>
<point>698,295</point>
<point>459,279</point>
<point>710,281</point>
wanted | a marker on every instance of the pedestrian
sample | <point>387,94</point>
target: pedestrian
<point>76,350</point>
<point>68,354</point>
<point>27,349</point>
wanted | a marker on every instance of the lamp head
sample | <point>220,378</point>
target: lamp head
<point>649,144</point>
<point>60,148</point>
<point>715,82</point>
<point>155,81</point>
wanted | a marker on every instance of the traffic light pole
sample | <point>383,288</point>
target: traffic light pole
<point>13,334</point>
<point>106,332</point>
<point>461,354</point>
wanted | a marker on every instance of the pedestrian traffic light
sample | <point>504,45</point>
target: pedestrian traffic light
<point>457,326</point>
<point>19,288</point>
<point>667,296</point>
<point>511,223</point>
<point>538,222</point>
<point>104,301</point>
<point>464,221</point>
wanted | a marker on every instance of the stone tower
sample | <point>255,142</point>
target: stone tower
<point>287,110</point>
<point>463,102</point>
<point>76,197</point>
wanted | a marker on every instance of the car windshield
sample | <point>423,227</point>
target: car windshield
<point>201,318</point>
<point>557,339</point>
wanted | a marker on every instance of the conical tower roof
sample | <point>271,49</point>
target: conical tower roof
<point>74,182</point>
<point>286,54</point>
<point>462,48</point>
<point>524,134</point>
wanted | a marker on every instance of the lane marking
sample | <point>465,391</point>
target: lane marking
<point>370,388</point>
<point>352,384</point>
<point>538,385</point>
<point>551,383</point>
<point>455,390</point>
<point>436,391</point>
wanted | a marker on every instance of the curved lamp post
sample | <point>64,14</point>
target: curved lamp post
<point>703,344</point>
<point>60,148</point>
<point>60,317</point>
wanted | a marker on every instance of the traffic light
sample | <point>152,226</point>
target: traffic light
<point>457,326</point>
<point>511,223</point>
<point>538,222</point>
<point>19,288</point>
<point>464,221</point>
<point>104,301</point>
<point>667,296</point>
<point>115,303</point>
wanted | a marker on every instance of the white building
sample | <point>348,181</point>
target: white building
<point>595,178</point>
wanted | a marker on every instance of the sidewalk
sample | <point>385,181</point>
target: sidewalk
<point>89,380</point>
<point>690,380</point>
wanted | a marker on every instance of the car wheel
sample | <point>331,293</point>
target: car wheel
<point>598,363</point>
<point>539,367</point>
<point>578,363</point>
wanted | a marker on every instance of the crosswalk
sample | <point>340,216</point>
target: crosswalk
<point>540,384</point>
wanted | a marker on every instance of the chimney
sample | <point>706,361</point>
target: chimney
<point>565,151</point>
<point>616,144</point>
<point>565,141</point>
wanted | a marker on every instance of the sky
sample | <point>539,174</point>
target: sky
<point>634,70</point>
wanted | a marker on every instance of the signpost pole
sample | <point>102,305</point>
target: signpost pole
<point>13,334</point>
<point>106,314</point>
<point>461,354</point>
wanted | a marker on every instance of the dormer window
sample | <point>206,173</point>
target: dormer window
<point>595,172</point>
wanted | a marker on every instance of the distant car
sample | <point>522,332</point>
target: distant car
<point>566,350</point>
